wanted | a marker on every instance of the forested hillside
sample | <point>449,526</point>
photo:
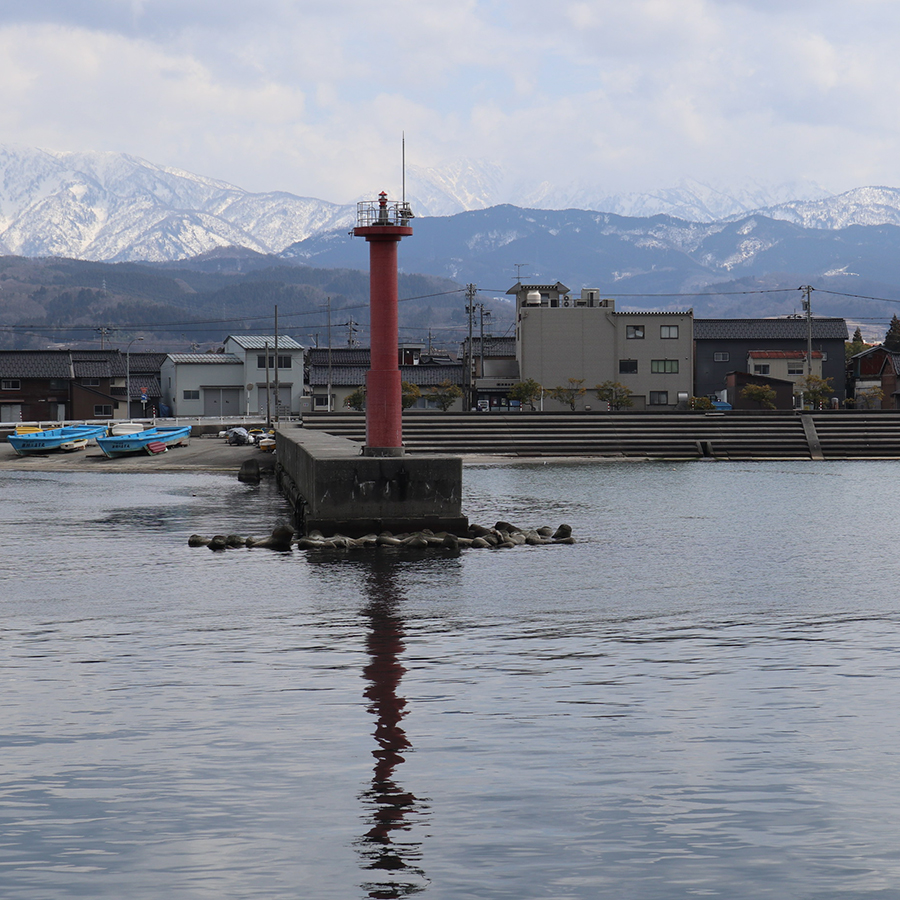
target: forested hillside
<point>197,303</point>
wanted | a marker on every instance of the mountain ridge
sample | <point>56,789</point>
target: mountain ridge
<point>113,207</point>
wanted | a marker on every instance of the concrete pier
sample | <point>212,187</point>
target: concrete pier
<point>335,489</point>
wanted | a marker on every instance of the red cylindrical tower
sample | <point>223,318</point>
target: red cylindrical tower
<point>383,226</point>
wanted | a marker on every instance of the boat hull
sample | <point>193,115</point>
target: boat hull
<point>125,444</point>
<point>53,438</point>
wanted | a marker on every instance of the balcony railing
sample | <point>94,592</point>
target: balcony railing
<point>380,212</point>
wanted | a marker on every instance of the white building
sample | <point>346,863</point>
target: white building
<point>244,380</point>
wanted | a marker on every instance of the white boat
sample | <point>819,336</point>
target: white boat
<point>127,428</point>
<point>76,444</point>
<point>150,440</point>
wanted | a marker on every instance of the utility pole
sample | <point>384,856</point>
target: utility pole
<point>328,405</point>
<point>470,311</point>
<point>104,333</point>
<point>807,306</point>
<point>268,392</point>
<point>276,363</point>
<point>351,333</point>
<point>483,312</point>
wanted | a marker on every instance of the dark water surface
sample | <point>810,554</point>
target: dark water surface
<point>699,699</point>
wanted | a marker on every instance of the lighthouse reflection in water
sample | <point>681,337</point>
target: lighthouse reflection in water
<point>390,858</point>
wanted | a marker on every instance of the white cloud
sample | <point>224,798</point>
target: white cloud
<point>311,97</point>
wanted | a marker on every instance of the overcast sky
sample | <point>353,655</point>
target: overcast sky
<point>311,96</point>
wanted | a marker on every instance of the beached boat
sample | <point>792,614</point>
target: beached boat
<point>53,438</point>
<point>151,440</point>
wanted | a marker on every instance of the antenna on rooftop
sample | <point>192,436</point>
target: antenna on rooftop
<point>403,164</point>
<point>519,267</point>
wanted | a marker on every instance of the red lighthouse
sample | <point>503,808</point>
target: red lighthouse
<point>383,225</point>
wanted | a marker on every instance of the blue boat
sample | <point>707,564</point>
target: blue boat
<point>151,440</point>
<point>54,438</point>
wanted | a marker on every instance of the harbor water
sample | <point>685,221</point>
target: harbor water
<point>697,699</point>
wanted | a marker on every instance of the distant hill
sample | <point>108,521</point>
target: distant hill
<point>190,246</point>
<point>634,259</point>
<point>49,302</point>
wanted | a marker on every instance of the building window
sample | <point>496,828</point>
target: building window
<point>634,332</point>
<point>664,366</point>
<point>795,368</point>
<point>89,382</point>
<point>191,395</point>
<point>10,384</point>
<point>668,331</point>
<point>102,412</point>
<point>628,366</point>
<point>659,398</point>
<point>58,384</point>
<point>761,369</point>
<point>720,357</point>
<point>321,401</point>
<point>284,362</point>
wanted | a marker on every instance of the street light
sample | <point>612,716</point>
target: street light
<point>128,377</point>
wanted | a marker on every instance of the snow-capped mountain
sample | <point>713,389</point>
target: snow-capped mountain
<point>466,185</point>
<point>861,206</point>
<point>113,207</point>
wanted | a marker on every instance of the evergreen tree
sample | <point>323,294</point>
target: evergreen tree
<point>857,345</point>
<point>892,338</point>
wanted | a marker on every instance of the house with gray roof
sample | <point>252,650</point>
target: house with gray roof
<point>344,369</point>
<point>722,346</point>
<point>60,385</point>
<point>254,375</point>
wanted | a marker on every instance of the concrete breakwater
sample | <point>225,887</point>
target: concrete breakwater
<point>501,536</point>
<point>832,434</point>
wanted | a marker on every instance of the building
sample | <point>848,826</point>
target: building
<point>560,336</point>
<point>333,374</point>
<point>735,382</point>
<point>877,368</point>
<point>725,345</point>
<point>494,368</point>
<point>242,380</point>
<point>60,385</point>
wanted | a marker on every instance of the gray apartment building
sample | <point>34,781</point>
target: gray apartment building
<point>561,336</point>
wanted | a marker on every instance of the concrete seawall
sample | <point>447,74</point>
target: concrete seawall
<point>738,435</point>
<point>333,488</point>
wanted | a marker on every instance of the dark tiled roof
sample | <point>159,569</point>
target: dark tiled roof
<point>35,364</point>
<point>340,356</point>
<point>146,362</point>
<point>787,329</point>
<point>341,376</point>
<point>354,376</point>
<point>99,368</point>
<point>144,381</point>
<point>426,376</point>
<point>98,363</point>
